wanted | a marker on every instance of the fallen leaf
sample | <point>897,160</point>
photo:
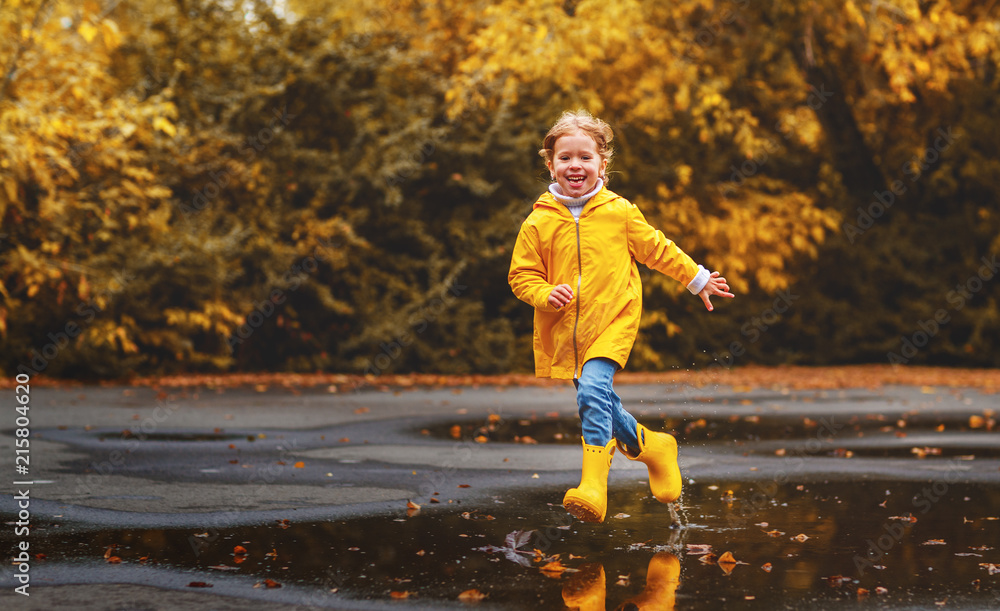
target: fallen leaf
<point>239,550</point>
<point>471,596</point>
<point>621,516</point>
<point>117,560</point>
<point>925,451</point>
<point>400,595</point>
<point>553,569</point>
<point>300,465</point>
<point>992,568</point>
<point>801,538</point>
<point>623,580</point>
<point>773,533</point>
<point>881,590</point>
<point>270,583</point>
<point>694,549</point>
<point>199,584</point>
<point>862,593</point>
<point>362,410</point>
<point>518,538</point>
<point>934,542</point>
<point>767,567</point>
<point>837,580</point>
<point>465,485</point>
<point>727,562</point>
<point>708,558</point>
<point>907,518</point>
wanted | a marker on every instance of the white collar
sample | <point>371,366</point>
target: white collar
<point>575,201</point>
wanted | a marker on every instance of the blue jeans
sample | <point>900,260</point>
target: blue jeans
<point>601,411</point>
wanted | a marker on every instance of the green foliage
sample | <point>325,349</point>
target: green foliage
<point>212,186</point>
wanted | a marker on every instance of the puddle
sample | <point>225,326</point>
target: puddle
<point>733,428</point>
<point>128,434</point>
<point>797,545</point>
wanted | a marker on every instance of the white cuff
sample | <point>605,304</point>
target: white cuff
<point>700,280</point>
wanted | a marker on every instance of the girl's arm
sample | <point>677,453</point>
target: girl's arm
<point>651,248</point>
<point>528,277</point>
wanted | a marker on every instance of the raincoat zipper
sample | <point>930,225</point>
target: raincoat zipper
<point>579,283</point>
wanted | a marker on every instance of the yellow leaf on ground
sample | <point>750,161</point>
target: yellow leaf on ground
<point>471,596</point>
<point>553,569</point>
<point>727,562</point>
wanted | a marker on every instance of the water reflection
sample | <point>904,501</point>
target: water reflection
<point>587,589</point>
<point>799,545</point>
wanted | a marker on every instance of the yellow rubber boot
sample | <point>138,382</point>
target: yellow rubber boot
<point>659,452</point>
<point>662,579</point>
<point>586,590</point>
<point>589,501</point>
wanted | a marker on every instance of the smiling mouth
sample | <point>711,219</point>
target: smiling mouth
<point>576,180</point>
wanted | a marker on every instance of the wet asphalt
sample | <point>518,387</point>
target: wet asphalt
<point>199,464</point>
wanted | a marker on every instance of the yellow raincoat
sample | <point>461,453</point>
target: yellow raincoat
<point>596,256</point>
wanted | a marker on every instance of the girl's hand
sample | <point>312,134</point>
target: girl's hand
<point>717,285</point>
<point>560,296</point>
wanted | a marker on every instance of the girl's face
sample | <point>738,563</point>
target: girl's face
<point>575,164</point>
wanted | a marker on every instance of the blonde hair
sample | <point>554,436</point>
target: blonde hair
<point>572,121</point>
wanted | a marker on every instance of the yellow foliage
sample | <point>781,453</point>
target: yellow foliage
<point>164,124</point>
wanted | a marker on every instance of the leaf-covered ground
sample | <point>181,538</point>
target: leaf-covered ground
<point>743,378</point>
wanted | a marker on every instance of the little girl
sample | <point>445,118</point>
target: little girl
<point>574,261</point>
